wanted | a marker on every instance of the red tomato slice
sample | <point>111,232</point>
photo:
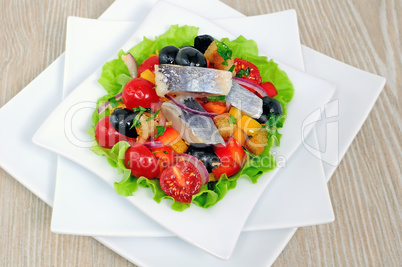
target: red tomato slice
<point>270,89</point>
<point>236,150</point>
<point>228,169</point>
<point>106,135</point>
<point>253,73</point>
<point>148,64</point>
<point>181,181</point>
<point>141,161</point>
<point>165,157</point>
<point>139,92</point>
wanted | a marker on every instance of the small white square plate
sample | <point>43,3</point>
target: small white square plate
<point>64,131</point>
<point>80,208</point>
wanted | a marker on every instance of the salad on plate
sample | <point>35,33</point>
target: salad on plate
<point>187,115</point>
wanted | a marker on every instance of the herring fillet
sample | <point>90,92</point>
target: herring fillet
<point>246,101</point>
<point>192,127</point>
<point>191,80</point>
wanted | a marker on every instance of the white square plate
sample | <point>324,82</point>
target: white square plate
<point>39,175</point>
<point>79,210</point>
<point>64,131</point>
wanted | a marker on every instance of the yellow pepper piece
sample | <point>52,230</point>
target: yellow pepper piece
<point>249,125</point>
<point>235,112</point>
<point>148,75</point>
<point>179,146</point>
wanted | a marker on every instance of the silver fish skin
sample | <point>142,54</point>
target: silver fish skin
<point>246,101</point>
<point>192,127</point>
<point>191,80</point>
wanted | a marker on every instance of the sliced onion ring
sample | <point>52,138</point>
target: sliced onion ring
<point>184,107</point>
<point>251,85</point>
<point>198,164</point>
<point>131,64</point>
<point>107,103</point>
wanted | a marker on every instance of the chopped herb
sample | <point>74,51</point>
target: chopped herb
<point>113,102</point>
<point>272,125</point>
<point>232,68</point>
<point>139,109</point>
<point>136,119</point>
<point>154,116</point>
<point>163,151</point>
<point>232,119</point>
<point>217,98</point>
<point>224,51</point>
<point>160,130</point>
<point>243,72</point>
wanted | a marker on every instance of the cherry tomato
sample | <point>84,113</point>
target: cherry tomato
<point>253,73</point>
<point>181,181</point>
<point>270,89</point>
<point>141,161</point>
<point>139,92</point>
<point>106,135</point>
<point>148,64</point>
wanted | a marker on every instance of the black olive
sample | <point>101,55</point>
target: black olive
<point>269,105</point>
<point>189,56</point>
<point>201,42</point>
<point>168,54</point>
<point>206,154</point>
<point>122,120</point>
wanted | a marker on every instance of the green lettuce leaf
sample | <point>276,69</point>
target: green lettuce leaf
<point>113,78</point>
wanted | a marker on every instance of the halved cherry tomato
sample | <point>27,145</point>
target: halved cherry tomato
<point>106,135</point>
<point>181,181</point>
<point>270,89</point>
<point>139,92</point>
<point>148,64</point>
<point>253,73</point>
<point>141,161</point>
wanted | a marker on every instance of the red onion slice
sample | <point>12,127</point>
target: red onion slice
<point>107,103</point>
<point>131,64</point>
<point>251,85</point>
<point>155,144</point>
<point>198,164</point>
<point>184,107</point>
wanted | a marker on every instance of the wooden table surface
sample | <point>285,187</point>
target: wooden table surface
<point>365,190</point>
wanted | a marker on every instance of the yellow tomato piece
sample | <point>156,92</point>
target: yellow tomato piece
<point>249,125</point>
<point>148,75</point>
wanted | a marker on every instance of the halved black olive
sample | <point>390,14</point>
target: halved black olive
<point>168,54</point>
<point>269,105</point>
<point>122,121</point>
<point>205,153</point>
<point>189,56</point>
<point>201,42</point>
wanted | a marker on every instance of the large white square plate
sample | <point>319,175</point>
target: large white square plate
<point>80,208</point>
<point>65,128</point>
<point>39,173</point>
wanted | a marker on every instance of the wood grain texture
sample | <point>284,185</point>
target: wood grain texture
<point>365,189</point>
